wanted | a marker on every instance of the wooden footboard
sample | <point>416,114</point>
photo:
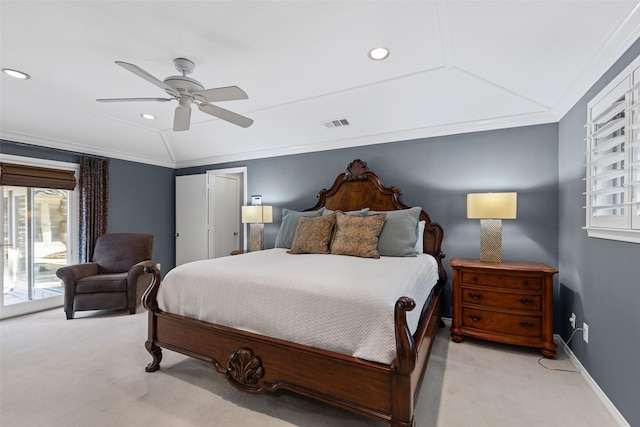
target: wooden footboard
<point>254,363</point>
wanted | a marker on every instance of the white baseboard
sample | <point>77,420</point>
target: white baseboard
<point>617,416</point>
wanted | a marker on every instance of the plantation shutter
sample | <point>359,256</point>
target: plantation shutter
<point>613,159</point>
<point>607,174</point>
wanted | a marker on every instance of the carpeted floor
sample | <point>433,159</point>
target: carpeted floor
<point>90,372</point>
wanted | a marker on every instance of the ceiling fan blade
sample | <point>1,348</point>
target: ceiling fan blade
<point>227,115</point>
<point>148,77</point>
<point>229,93</point>
<point>133,99</point>
<point>182,119</point>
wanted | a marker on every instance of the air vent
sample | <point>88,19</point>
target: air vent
<point>337,123</point>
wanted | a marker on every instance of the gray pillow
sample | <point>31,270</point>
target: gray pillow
<point>287,230</point>
<point>399,232</point>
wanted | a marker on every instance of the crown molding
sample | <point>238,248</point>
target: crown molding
<point>80,148</point>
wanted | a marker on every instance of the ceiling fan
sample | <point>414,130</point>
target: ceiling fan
<point>189,91</point>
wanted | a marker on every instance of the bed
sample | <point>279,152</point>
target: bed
<point>383,384</point>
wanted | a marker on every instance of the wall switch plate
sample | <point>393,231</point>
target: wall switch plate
<point>572,320</point>
<point>158,266</point>
<point>585,332</point>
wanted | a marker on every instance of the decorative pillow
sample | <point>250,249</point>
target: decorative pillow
<point>357,235</point>
<point>313,235</point>
<point>287,230</point>
<point>420,243</point>
<point>399,234</point>
<point>361,212</point>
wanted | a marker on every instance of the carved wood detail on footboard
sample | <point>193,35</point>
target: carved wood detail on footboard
<point>244,371</point>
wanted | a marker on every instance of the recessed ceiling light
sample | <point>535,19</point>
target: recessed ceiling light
<point>378,53</point>
<point>148,116</point>
<point>16,74</point>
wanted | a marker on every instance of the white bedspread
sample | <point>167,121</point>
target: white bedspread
<point>339,303</point>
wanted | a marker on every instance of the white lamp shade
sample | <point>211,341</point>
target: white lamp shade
<point>492,205</point>
<point>257,214</point>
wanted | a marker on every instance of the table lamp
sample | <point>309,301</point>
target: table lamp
<point>256,217</point>
<point>491,209</point>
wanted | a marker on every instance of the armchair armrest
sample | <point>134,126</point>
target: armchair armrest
<point>71,273</point>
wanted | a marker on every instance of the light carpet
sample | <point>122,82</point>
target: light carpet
<point>90,372</point>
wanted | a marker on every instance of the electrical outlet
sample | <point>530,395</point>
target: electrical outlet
<point>585,332</point>
<point>572,320</point>
<point>158,267</point>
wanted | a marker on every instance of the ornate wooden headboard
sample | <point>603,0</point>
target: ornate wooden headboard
<point>359,188</point>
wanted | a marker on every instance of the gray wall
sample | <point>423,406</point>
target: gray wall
<point>599,279</point>
<point>141,197</point>
<point>436,174</point>
<point>142,200</point>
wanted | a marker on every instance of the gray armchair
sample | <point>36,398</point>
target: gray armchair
<point>111,280</point>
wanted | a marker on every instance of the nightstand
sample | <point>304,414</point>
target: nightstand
<point>509,302</point>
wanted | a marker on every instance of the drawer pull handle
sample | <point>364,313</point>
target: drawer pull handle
<point>475,318</point>
<point>526,283</point>
<point>475,278</point>
<point>526,325</point>
<point>474,296</point>
<point>526,301</point>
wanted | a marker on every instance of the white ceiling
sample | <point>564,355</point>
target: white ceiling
<point>455,66</point>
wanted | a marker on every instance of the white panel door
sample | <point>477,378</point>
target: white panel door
<point>225,209</point>
<point>192,228</point>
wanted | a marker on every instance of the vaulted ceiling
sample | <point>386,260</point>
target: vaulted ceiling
<point>454,66</point>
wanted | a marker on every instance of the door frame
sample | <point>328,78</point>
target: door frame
<point>242,173</point>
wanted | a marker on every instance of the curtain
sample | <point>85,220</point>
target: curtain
<point>94,198</point>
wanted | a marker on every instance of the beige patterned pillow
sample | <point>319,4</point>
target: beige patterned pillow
<point>357,236</point>
<point>313,235</point>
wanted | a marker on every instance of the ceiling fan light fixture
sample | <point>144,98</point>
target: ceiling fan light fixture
<point>16,74</point>
<point>378,53</point>
<point>148,116</point>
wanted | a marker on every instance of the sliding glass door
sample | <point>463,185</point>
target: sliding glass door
<point>38,236</point>
<point>35,242</point>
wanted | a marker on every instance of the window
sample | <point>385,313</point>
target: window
<point>613,159</point>
<point>38,234</point>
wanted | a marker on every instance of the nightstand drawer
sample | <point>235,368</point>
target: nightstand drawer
<point>503,323</point>
<point>502,299</point>
<point>503,281</point>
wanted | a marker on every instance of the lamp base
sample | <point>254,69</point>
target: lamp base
<point>256,235</point>
<point>491,240</point>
